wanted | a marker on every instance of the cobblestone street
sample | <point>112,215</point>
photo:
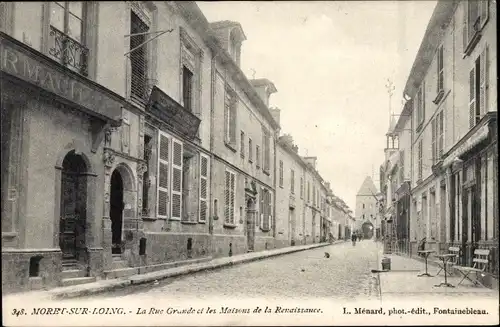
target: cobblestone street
<point>308,274</point>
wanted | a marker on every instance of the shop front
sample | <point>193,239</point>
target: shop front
<point>471,167</point>
<point>53,124</point>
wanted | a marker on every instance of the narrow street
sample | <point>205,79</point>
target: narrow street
<point>345,275</point>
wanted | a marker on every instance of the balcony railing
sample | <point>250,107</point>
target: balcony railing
<point>68,51</point>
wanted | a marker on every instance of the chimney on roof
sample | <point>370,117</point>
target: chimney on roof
<point>275,113</point>
<point>264,88</point>
<point>311,161</point>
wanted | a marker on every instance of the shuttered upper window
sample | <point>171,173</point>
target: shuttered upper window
<point>476,15</point>
<point>138,57</point>
<point>292,181</point>
<point>301,187</point>
<point>229,197</point>
<point>230,117</point>
<point>478,88</point>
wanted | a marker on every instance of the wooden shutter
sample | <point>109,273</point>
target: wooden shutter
<point>163,186</point>
<point>242,144</point>
<point>483,82</point>
<point>472,97</point>
<point>441,134</point>
<point>203,188</point>
<point>261,207</point>
<point>440,84</point>
<point>138,57</point>
<point>177,154</point>
<point>269,209</point>
<point>227,197</point>
<point>227,107</point>
<point>233,191</point>
<point>301,187</point>
<point>433,131</point>
<point>422,115</point>
<point>257,156</point>
<point>402,165</point>
<point>281,173</point>
<point>292,181</point>
<point>232,121</point>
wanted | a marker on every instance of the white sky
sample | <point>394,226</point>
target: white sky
<point>330,62</point>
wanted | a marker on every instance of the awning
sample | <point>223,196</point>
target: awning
<point>468,145</point>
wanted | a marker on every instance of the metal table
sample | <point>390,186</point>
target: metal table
<point>426,255</point>
<point>445,258</point>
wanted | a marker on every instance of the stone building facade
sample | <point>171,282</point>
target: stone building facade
<point>451,112</point>
<point>132,154</point>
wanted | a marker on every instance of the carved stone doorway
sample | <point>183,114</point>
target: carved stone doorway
<point>73,207</point>
<point>116,211</point>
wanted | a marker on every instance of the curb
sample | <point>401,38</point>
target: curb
<point>115,284</point>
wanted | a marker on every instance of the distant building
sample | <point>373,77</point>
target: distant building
<point>366,204</point>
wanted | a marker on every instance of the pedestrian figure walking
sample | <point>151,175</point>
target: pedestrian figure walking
<point>353,239</point>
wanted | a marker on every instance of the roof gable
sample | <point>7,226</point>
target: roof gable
<point>367,188</point>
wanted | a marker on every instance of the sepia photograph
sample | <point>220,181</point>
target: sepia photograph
<point>239,163</point>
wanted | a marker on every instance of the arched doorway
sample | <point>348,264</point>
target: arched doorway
<point>116,206</point>
<point>367,230</point>
<point>73,208</point>
<point>250,213</point>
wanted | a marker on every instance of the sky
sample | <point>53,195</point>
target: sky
<point>330,62</point>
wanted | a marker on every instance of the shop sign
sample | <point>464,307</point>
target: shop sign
<point>18,64</point>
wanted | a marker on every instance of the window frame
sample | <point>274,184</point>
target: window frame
<point>281,168</point>
<point>207,183</point>
<point>231,206</point>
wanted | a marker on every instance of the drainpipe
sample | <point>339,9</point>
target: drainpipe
<point>274,185</point>
<point>211,146</point>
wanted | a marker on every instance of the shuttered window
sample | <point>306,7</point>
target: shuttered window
<point>314,196</point>
<point>138,57</point>
<point>434,147</point>
<point>257,157</point>
<point>187,88</point>
<point>242,144</point>
<point>308,192</point>
<point>301,187</point>
<point>266,149</point>
<point>229,197</point>
<point>163,175</point>
<point>476,15</point>
<point>292,181</point>
<point>421,104</point>
<point>250,150</point>
<point>281,173</point>
<point>483,82</point>
<point>230,117</point>
<point>478,88</point>
<point>265,209</point>
<point>204,166</point>
<point>177,155</point>
<point>419,160</point>
<point>472,97</point>
<point>440,70</point>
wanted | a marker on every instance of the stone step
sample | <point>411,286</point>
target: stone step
<point>119,264</point>
<point>121,272</point>
<point>72,273</point>
<point>72,262</point>
<point>77,281</point>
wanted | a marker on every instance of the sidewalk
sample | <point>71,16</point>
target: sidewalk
<point>113,284</point>
<point>402,282</point>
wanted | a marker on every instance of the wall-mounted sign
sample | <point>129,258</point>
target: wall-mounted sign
<point>34,69</point>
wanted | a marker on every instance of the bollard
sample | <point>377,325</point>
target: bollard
<point>386,263</point>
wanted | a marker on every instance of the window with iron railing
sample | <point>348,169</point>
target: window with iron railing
<point>67,35</point>
<point>138,57</point>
